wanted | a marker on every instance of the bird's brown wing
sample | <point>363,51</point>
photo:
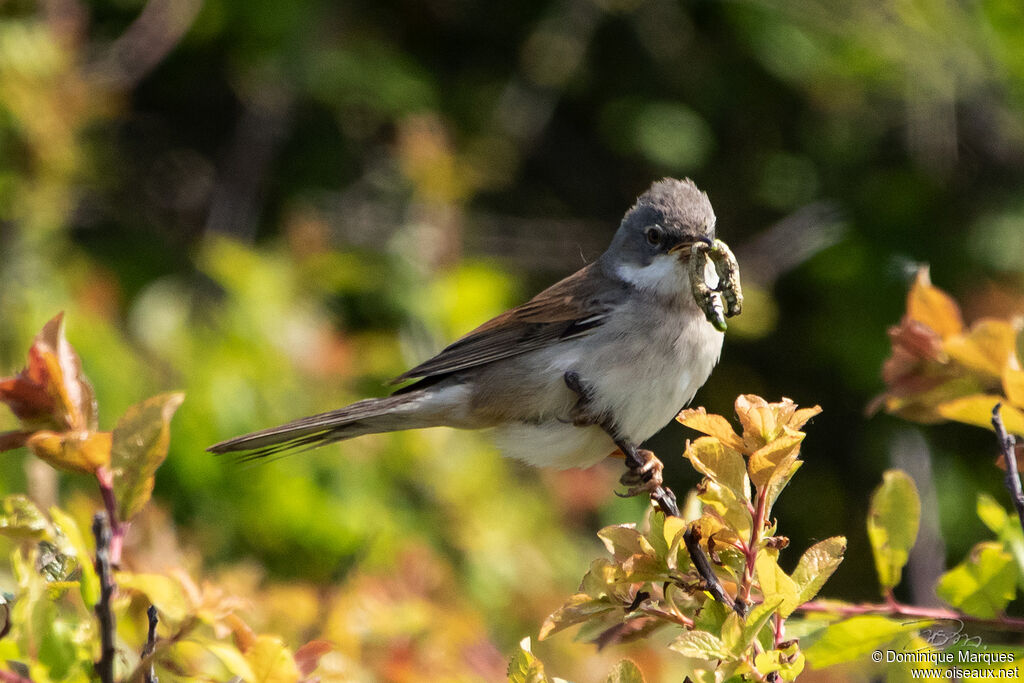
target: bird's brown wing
<point>570,308</point>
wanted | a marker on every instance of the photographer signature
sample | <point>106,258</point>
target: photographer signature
<point>938,637</point>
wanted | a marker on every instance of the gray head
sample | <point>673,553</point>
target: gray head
<point>652,245</point>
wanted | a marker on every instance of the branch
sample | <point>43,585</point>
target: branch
<point>703,566</point>
<point>147,651</point>
<point>897,609</point>
<point>104,477</point>
<point>104,613</point>
<point>1006,445</point>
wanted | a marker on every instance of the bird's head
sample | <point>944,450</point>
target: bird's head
<point>651,249</point>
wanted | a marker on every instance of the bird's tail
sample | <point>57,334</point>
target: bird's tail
<point>370,416</point>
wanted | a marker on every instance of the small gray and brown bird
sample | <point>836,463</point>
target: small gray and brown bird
<point>593,365</point>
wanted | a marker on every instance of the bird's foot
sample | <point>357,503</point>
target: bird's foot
<point>643,476</point>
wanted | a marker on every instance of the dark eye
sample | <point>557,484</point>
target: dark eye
<point>654,235</point>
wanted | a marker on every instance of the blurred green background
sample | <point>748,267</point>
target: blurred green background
<point>277,206</point>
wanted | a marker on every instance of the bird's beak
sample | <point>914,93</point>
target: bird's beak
<point>685,248</point>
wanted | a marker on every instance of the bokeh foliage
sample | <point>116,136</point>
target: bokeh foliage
<point>277,206</point>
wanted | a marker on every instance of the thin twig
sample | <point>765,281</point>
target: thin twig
<point>147,651</point>
<point>104,613</point>
<point>1006,445</point>
<point>105,480</point>
<point>703,566</point>
<point>897,609</point>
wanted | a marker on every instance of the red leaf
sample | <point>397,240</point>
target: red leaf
<point>11,440</point>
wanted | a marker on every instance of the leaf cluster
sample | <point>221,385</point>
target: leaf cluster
<point>652,582</point>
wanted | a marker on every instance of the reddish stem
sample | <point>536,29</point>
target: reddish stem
<point>105,480</point>
<point>898,609</point>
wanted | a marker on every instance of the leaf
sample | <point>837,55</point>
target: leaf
<point>756,620</point>
<point>816,566</point>
<point>525,667</point>
<point>991,513</point>
<point>778,454</point>
<point>51,392</point>
<point>231,658</point>
<point>89,582</point>
<point>701,645</point>
<point>271,661</point>
<point>853,638</point>
<point>721,463</point>
<point>625,672</point>
<point>307,657</point>
<point>977,410</point>
<point>775,583</point>
<point>140,443</point>
<point>82,452</point>
<point>1013,386</point>
<point>713,425</point>
<point>577,609</point>
<point>624,540</point>
<point>21,519</point>
<point>933,307</point>
<point>983,584</point>
<point>989,348</point>
<point>165,592</point>
<point>893,521</point>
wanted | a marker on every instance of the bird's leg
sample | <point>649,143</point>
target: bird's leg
<point>643,469</point>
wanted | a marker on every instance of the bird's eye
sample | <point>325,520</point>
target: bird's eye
<point>654,235</point>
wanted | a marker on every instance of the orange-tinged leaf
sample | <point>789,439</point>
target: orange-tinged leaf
<point>933,307</point>
<point>977,410</point>
<point>271,661</point>
<point>719,462</point>
<point>76,404</point>
<point>801,417</point>
<point>141,439</point>
<point>712,425</point>
<point>1013,386</point>
<point>27,399</point>
<point>989,348</point>
<point>779,454</point>
<point>307,657</point>
<point>83,452</point>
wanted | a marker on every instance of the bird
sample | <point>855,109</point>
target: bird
<point>592,366</point>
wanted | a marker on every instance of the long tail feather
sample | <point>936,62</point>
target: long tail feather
<point>364,417</point>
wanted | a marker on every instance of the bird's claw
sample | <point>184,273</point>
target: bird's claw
<point>725,300</point>
<point>644,477</point>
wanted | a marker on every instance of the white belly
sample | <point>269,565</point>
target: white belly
<point>642,374</point>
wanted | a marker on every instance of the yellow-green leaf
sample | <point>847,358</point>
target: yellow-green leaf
<point>776,455</point>
<point>1013,386</point>
<point>525,667</point>
<point>721,463</point>
<point>166,593</point>
<point>775,583</point>
<point>89,583</point>
<point>141,438</point>
<point>271,661</point>
<point>816,565</point>
<point>977,410</point>
<point>852,639</point>
<point>21,519</point>
<point>700,645</point>
<point>893,521</point>
<point>990,347</point>
<point>625,672</point>
<point>933,307</point>
<point>983,584</point>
